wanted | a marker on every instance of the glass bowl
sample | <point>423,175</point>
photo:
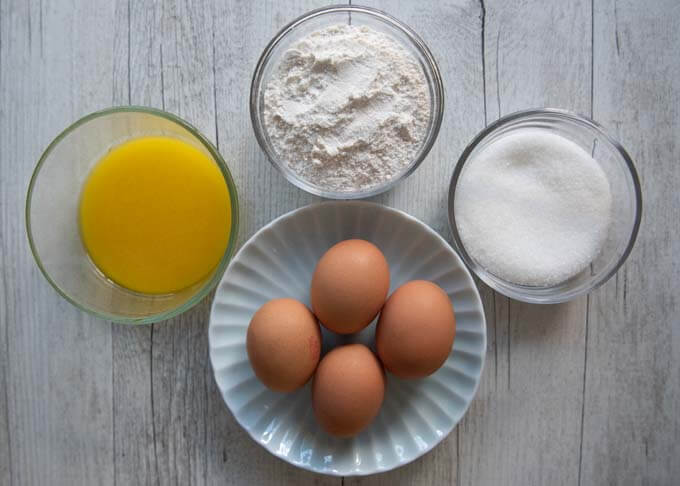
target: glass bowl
<point>323,17</point>
<point>626,201</point>
<point>52,215</point>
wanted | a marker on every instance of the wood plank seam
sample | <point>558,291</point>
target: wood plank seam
<point>153,406</point>
<point>5,287</point>
<point>585,351</point>
<point>482,18</point>
<point>509,337</point>
<point>7,370</point>
<point>498,75</point>
<point>129,71</point>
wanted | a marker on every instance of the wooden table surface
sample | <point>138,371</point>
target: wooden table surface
<point>581,393</point>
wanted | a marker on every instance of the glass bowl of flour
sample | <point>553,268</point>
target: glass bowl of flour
<point>346,101</point>
<point>544,206</point>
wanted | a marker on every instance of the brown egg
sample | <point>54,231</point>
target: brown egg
<point>349,286</point>
<point>416,330</point>
<point>348,390</point>
<point>284,344</point>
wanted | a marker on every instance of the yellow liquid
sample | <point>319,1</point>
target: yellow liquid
<point>155,215</point>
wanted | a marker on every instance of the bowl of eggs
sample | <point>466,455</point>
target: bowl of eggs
<point>347,338</point>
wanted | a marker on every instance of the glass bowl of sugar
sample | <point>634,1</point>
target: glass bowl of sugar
<point>544,206</point>
<point>346,101</point>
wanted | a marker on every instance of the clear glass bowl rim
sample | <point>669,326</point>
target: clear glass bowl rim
<point>437,86</point>
<point>231,245</point>
<point>513,290</point>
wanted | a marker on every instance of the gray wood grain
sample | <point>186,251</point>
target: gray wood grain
<point>5,448</point>
<point>631,429</point>
<point>524,426</point>
<point>580,393</point>
<point>58,360</point>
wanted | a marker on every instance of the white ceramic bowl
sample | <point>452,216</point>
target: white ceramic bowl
<point>278,261</point>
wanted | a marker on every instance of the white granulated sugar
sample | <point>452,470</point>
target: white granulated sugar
<point>533,208</point>
<point>347,108</point>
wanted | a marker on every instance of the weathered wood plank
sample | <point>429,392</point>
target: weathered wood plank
<point>452,30</point>
<point>55,68</point>
<point>524,427</point>
<point>631,432</point>
<point>5,448</point>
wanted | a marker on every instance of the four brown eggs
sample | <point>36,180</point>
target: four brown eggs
<point>414,336</point>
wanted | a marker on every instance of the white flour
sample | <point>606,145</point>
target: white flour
<point>533,208</point>
<point>347,108</point>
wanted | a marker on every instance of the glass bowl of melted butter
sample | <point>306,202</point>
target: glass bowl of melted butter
<point>132,215</point>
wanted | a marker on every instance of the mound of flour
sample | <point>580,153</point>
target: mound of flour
<point>347,107</point>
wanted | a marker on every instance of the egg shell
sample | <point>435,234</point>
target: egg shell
<point>349,286</point>
<point>416,330</point>
<point>348,390</point>
<point>284,344</point>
